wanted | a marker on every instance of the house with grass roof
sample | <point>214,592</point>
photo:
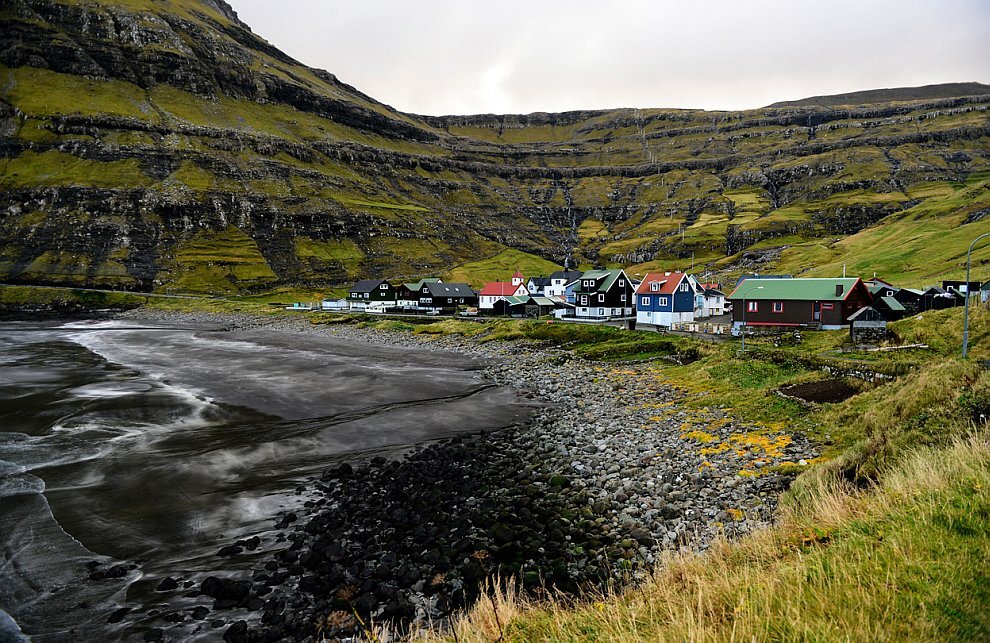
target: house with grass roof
<point>825,303</point>
<point>604,294</point>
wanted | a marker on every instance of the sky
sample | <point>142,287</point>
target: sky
<point>441,57</point>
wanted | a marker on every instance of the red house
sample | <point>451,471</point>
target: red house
<point>820,303</point>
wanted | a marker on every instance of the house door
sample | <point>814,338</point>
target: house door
<point>817,311</point>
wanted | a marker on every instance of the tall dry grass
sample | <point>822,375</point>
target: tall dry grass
<point>903,561</point>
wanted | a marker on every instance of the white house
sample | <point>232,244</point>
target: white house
<point>498,290</point>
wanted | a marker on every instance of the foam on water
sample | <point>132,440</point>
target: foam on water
<point>20,485</point>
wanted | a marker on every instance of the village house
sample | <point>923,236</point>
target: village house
<point>407,295</point>
<point>559,281</point>
<point>497,290</point>
<point>889,308</point>
<point>537,286</point>
<point>665,298</point>
<point>709,301</point>
<point>524,306</point>
<point>446,297</point>
<point>818,303</point>
<point>604,294</point>
<point>371,294</point>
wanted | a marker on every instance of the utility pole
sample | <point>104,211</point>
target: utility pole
<point>966,305</point>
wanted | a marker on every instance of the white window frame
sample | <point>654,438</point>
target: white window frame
<point>662,301</point>
<point>655,286</point>
<point>752,306</point>
<point>601,297</point>
<point>644,301</point>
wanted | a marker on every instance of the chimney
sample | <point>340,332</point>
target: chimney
<point>838,290</point>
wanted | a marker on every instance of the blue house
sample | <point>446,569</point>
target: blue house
<point>665,298</point>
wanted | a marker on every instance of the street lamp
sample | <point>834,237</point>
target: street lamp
<point>742,330</point>
<point>966,304</point>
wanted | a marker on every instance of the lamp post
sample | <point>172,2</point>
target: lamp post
<point>742,330</point>
<point>966,304</point>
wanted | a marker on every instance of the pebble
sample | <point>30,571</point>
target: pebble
<point>606,470</point>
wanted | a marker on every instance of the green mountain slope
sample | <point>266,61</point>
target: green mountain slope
<point>162,145</point>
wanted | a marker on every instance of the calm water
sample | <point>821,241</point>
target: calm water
<point>154,446</point>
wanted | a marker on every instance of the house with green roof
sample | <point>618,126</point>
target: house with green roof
<point>604,294</point>
<point>824,303</point>
<point>407,295</point>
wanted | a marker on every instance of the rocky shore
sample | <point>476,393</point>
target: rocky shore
<point>611,472</point>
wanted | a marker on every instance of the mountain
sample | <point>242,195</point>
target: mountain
<point>925,92</point>
<point>161,145</point>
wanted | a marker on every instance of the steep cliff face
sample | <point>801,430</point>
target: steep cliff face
<point>163,145</point>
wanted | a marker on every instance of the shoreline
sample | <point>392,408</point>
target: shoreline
<point>586,494</point>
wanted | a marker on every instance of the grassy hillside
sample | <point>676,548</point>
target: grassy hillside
<point>138,147</point>
<point>883,538</point>
<point>925,92</point>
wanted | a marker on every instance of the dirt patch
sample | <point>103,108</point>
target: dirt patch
<point>822,392</point>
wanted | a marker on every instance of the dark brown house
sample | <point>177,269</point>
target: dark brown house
<point>818,303</point>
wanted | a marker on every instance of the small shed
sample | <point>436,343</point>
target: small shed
<point>867,326</point>
<point>890,308</point>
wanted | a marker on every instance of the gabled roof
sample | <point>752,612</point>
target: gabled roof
<point>715,292</point>
<point>540,281</point>
<point>668,283</point>
<point>794,289</point>
<point>567,275</point>
<point>518,275</point>
<point>892,304</point>
<point>543,301</point>
<point>438,289</point>
<point>515,301</point>
<point>499,289</point>
<point>366,285</point>
<point>418,285</point>
<point>606,277</point>
<point>875,288</point>
<point>867,313</point>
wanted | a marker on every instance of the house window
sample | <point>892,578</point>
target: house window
<point>601,296</point>
<point>622,283</point>
<point>622,298</point>
<point>584,300</point>
<point>655,286</point>
<point>752,306</point>
<point>384,286</point>
<point>662,301</point>
<point>588,284</point>
<point>828,306</point>
<point>684,287</point>
<point>426,300</point>
<point>644,301</point>
<point>778,306</point>
<point>367,294</point>
<point>890,293</point>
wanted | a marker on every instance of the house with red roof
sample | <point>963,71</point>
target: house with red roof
<point>498,290</point>
<point>665,298</point>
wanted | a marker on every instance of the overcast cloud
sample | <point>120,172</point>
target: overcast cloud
<point>515,56</point>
